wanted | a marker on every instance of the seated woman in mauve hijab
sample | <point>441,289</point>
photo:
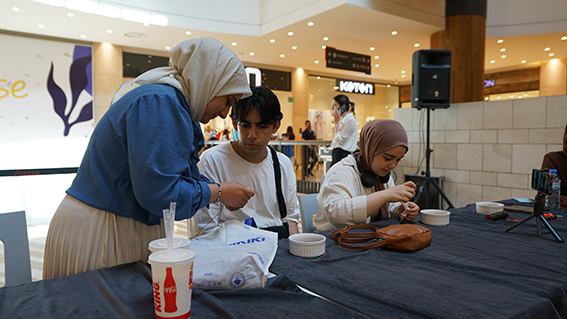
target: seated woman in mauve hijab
<point>359,188</point>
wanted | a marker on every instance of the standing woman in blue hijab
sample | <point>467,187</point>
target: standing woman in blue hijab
<point>143,155</point>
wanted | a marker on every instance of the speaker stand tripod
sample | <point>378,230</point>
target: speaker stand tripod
<point>427,174</point>
<point>538,214</point>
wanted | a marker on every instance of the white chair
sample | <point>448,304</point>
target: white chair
<point>307,208</point>
<point>14,235</point>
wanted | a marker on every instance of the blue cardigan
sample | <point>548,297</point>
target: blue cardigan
<point>143,155</point>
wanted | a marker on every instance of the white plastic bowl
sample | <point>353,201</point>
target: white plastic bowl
<point>435,217</point>
<point>487,208</point>
<point>307,245</point>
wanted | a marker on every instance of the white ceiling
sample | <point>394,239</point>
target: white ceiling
<point>527,27</point>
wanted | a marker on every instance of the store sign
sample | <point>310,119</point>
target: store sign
<point>356,87</point>
<point>488,83</point>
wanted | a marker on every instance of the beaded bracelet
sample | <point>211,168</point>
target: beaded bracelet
<point>218,197</point>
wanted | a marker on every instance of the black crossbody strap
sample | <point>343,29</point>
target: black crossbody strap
<point>278,174</point>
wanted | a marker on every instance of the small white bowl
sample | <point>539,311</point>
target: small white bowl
<point>435,217</point>
<point>307,245</point>
<point>487,208</point>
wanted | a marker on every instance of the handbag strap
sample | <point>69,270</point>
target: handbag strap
<point>278,175</point>
<point>344,238</point>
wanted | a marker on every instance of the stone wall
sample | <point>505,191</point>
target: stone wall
<point>485,150</point>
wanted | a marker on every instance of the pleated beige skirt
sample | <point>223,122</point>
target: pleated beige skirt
<point>82,238</point>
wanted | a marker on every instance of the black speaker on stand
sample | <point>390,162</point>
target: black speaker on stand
<point>430,89</point>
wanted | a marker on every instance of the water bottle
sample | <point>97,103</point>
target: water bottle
<point>553,201</point>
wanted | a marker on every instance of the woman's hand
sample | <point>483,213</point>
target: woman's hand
<point>401,193</point>
<point>235,195</point>
<point>412,208</point>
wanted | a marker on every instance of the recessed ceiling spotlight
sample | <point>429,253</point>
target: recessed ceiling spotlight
<point>503,50</point>
<point>394,32</point>
<point>310,23</point>
<point>83,36</point>
<point>523,61</point>
<point>234,44</point>
<point>563,38</point>
<point>108,31</point>
<point>41,26</point>
<point>403,75</point>
<point>318,77</point>
<point>325,38</point>
<point>376,57</point>
<point>492,61</point>
<point>500,41</point>
<point>317,62</point>
<point>376,65</point>
<point>372,48</point>
<point>403,72</point>
<point>519,96</point>
<point>416,45</point>
<point>486,98</point>
<point>323,47</point>
<point>552,54</point>
<point>167,47</point>
<point>272,40</point>
<point>187,32</point>
<point>15,9</point>
<point>282,55</point>
<point>547,49</point>
<point>388,85</point>
<point>146,24</point>
<point>294,47</point>
<point>251,53</point>
<point>503,56</point>
<point>511,96</point>
<point>70,15</point>
<point>290,33</point>
<point>335,87</point>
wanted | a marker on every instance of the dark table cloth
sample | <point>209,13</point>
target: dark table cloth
<point>472,269</point>
<point>125,291</point>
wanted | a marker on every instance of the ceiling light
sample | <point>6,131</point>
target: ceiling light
<point>272,40</point>
<point>547,49</point>
<point>317,62</point>
<point>167,47</point>
<point>57,3</point>
<point>376,65</point>
<point>318,77</point>
<point>282,55</point>
<point>416,45</point>
<point>41,26</point>
<point>394,32</point>
<point>16,9</point>
<point>486,98</point>
<point>109,11</point>
<point>146,24</point>
<point>552,54</point>
<point>82,5</point>
<point>294,47</point>
<point>503,56</point>
<point>511,96</point>
<point>492,61</point>
<point>498,97</point>
<point>70,15</point>
<point>403,75</point>
<point>157,19</point>
<point>563,38</point>
<point>310,23</point>
<point>388,85</point>
<point>187,32</point>
<point>523,61</point>
<point>234,44</point>
<point>325,38</point>
<point>136,16</point>
<point>251,53</point>
<point>403,72</point>
<point>108,31</point>
<point>520,97</point>
<point>290,33</point>
<point>83,36</point>
<point>335,87</point>
<point>376,57</point>
<point>372,48</point>
<point>323,47</point>
<point>503,50</point>
<point>500,41</point>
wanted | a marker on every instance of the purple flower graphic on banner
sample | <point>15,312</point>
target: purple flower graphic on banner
<point>80,78</point>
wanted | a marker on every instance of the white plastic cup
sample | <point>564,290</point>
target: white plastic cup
<point>161,244</point>
<point>172,277</point>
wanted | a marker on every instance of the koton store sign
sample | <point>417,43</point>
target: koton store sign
<point>355,87</point>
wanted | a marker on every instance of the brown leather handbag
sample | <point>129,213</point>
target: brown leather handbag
<point>406,237</point>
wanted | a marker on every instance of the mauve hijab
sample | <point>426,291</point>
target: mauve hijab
<point>377,137</point>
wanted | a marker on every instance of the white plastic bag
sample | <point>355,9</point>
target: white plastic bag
<point>235,256</point>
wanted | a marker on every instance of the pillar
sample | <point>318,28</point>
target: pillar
<point>107,76</point>
<point>553,77</point>
<point>300,94</point>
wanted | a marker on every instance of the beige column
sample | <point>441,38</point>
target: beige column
<point>300,94</point>
<point>107,75</point>
<point>553,77</point>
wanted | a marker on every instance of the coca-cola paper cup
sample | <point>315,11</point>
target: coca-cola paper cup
<point>172,277</point>
<point>161,244</point>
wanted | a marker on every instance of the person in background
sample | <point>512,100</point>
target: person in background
<point>288,149</point>
<point>558,160</point>
<point>359,188</point>
<point>346,128</point>
<point>309,151</point>
<point>250,161</point>
<point>290,134</point>
<point>224,136</point>
<point>142,156</point>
